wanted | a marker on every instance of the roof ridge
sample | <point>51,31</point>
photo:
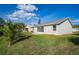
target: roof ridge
<point>54,22</point>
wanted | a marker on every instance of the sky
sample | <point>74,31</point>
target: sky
<point>30,14</point>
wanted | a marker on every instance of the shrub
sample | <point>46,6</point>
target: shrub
<point>13,31</point>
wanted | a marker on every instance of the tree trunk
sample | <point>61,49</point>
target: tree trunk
<point>9,44</point>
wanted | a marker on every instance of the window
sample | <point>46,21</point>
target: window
<point>40,29</point>
<point>26,29</point>
<point>54,27</point>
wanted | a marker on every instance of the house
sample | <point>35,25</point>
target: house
<point>27,28</point>
<point>75,29</point>
<point>59,27</point>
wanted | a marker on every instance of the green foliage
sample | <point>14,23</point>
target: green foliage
<point>12,31</point>
<point>2,22</point>
<point>6,31</point>
<point>76,26</point>
<point>18,26</point>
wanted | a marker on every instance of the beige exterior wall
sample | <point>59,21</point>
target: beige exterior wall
<point>47,30</point>
<point>63,28</point>
<point>29,28</point>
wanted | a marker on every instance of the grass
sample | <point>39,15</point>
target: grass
<point>42,45</point>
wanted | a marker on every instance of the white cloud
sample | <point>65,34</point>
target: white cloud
<point>22,14</point>
<point>29,7</point>
<point>25,12</point>
<point>75,20</point>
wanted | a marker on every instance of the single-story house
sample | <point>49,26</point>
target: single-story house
<point>59,27</point>
<point>75,29</point>
<point>27,28</point>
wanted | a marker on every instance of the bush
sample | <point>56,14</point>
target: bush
<point>13,32</point>
<point>76,33</point>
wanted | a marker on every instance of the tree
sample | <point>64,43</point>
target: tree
<point>39,21</point>
<point>9,32</point>
<point>20,26</point>
<point>2,22</point>
<point>76,26</point>
<point>12,31</point>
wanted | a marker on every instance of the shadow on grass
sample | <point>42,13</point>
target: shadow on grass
<point>21,38</point>
<point>74,40</point>
<point>1,33</point>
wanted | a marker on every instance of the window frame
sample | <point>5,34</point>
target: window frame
<point>40,29</point>
<point>54,27</point>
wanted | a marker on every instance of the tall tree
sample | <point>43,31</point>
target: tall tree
<point>2,22</point>
<point>39,21</point>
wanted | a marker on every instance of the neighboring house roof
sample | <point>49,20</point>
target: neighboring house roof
<point>53,23</point>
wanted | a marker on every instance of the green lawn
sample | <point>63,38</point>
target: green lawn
<point>42,45</point>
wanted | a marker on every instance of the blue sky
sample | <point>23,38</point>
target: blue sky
<point>46,12</point>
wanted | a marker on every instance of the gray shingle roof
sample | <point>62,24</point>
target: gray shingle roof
<point>53,23</point>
